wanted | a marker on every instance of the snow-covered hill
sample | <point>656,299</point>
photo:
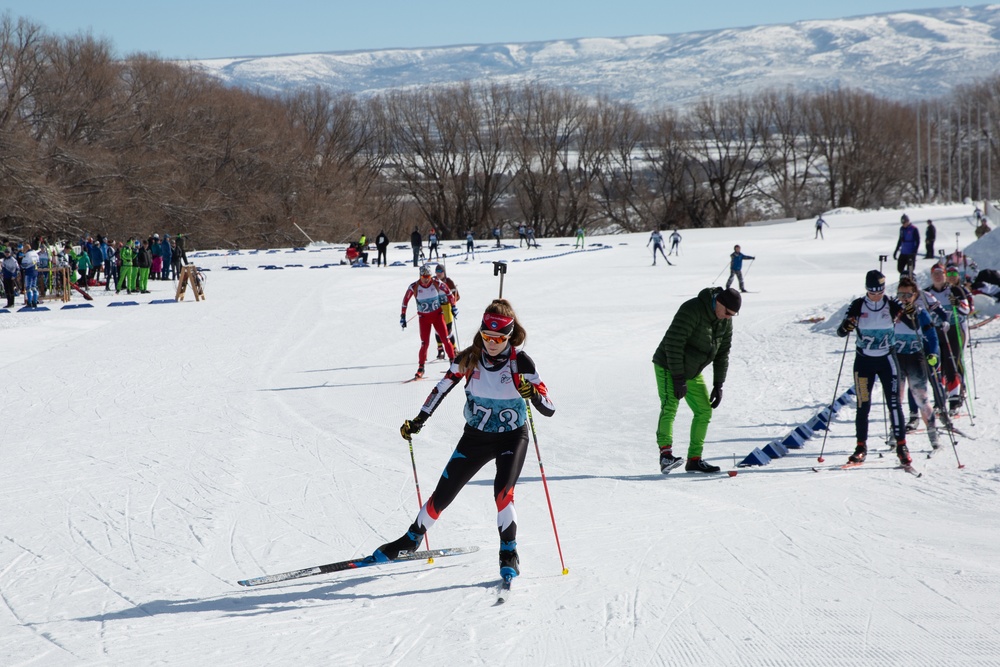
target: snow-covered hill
<point>152,455</point>
<point>902,55</point>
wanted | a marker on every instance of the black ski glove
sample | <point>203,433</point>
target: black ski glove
<point>716,396</point>
<point>680,387</point>
<point>847,326</point>
<point>402,321</point>
<point>412,426</point>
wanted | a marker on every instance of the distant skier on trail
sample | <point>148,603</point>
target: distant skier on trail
<point>470,244</point>
<point>700,334</point>
<point>498,379</point>
<point>579,242</point>
<point>656,238</point>
<point>430,294</point>
<point>874,316</point>
<point>819,227</point>
<point>736,267</point>
<point>432,246</point>
<point>675,243</point>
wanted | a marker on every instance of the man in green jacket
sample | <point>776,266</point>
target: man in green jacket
<point>700,334</point>
<point>126,253</point>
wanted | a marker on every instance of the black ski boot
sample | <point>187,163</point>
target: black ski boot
<point>408,543</point>
<point>510,564</point>
<point>696,464</point>
<point>912,423</point>
<point>419,374</point>
<point>668,461</point>
<point>860,453</point>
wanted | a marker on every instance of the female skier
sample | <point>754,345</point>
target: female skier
<point>498,380</point>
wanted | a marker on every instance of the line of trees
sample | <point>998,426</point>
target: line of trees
<point>91,144</point>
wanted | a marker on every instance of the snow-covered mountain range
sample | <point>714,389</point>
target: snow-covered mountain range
<point>904,55</point>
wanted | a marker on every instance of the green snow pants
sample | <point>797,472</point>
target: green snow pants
<point>127,277</point>
<point>696,398</point>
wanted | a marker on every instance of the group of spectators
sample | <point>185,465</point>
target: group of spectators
<point>94,261</point>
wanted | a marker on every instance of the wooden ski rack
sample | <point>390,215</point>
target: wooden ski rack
<point>189,274</point>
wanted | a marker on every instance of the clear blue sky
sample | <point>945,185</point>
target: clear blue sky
<point>217,28</point>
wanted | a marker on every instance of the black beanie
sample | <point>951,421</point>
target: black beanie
<point>874,281</point>
<point>731,299</point>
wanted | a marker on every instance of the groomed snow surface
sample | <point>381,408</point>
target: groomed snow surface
<point>153,455</point>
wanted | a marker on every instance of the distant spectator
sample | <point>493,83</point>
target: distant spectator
<point>175,261</point>
<point>180,249</point>
<point>29,267</point>
<point>10,269</point>
<point>143,262</point>
<point>110,264</point>
<point>929,237</point>
<point>83,266</point>
<point>417,244</point>
<point>96,260</point>
<point>156,252</point>
<point>983,228</point>
<point>126,256</point>
<point>907,247</point>
<point>381,244</point>
<point>167,257</point>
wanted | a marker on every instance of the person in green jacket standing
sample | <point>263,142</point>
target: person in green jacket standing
<point>83,266</point>
<point>700,334</point>
<point>126,254</point>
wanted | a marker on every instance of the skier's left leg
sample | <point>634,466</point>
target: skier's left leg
<point>509,462</point>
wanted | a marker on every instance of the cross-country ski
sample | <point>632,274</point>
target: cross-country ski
<point>354,564</point>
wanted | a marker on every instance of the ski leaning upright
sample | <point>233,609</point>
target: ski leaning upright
<point>355,563</point>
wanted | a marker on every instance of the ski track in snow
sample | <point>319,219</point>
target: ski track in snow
<point>257,431</point>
